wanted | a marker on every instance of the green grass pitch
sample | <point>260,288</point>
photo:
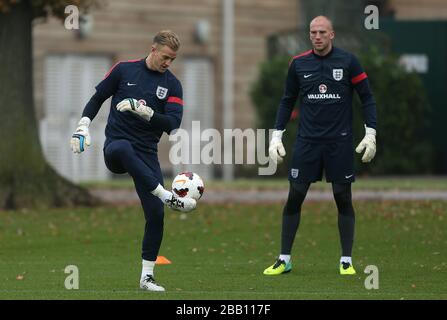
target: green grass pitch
<point>219,252</point>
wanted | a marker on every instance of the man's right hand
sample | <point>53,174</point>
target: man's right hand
<point>135,107</point>
<point>80,139</point>
<point>276,148</point>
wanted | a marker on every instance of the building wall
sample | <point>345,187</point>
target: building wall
<point>255,20</point>
<point>124,30</point>
<point>419,9</point>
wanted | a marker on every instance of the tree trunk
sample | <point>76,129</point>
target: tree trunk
<point>26,179</point>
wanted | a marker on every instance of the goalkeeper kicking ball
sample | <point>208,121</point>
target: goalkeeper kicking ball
<point>189,185</point>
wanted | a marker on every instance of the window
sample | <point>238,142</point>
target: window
<point>70,81</point>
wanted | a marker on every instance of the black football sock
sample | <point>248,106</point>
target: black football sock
<point>292,215</point>
<point>346,216</point>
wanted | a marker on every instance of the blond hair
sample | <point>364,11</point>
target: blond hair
<point>167,38</point>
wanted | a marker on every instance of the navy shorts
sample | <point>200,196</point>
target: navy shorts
<point>310,159</point>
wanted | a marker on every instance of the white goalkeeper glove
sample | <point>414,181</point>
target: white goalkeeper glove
<point>368,144</point>
<point>80,139</point>
<point>276,148</point>
<point>136,107</point>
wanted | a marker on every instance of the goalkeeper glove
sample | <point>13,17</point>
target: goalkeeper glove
<point>80,139</point>
<point>368,144</point>
<point>276,148</point>
<point>136,107</point>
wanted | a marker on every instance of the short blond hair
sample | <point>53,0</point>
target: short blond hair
<point>167,38</point>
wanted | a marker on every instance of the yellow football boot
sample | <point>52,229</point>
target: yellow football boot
<point>346,268</point>
<point>279,267</point>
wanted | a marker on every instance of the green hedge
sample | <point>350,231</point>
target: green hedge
<point>403,113</point>
<point>266,93</point>
<point>403,144</point>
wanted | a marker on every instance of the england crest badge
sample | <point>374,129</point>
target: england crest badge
<point>161,92</point>
<point>337,74</point>
<point>294,173</point>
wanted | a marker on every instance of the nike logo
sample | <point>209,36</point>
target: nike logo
<point>307,76</point>
<point>347,177</point>
<point>131,84</point>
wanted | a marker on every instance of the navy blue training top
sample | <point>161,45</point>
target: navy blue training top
<point>133,79</point>
<point>324,86</point>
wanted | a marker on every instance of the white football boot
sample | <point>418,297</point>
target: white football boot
<point>148,283</point>
<point>181,204</point>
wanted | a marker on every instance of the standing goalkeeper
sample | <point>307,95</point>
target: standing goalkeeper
<point>323,79</point>
<point>147,101</point>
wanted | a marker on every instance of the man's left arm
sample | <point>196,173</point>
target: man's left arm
<point>359,80</point>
